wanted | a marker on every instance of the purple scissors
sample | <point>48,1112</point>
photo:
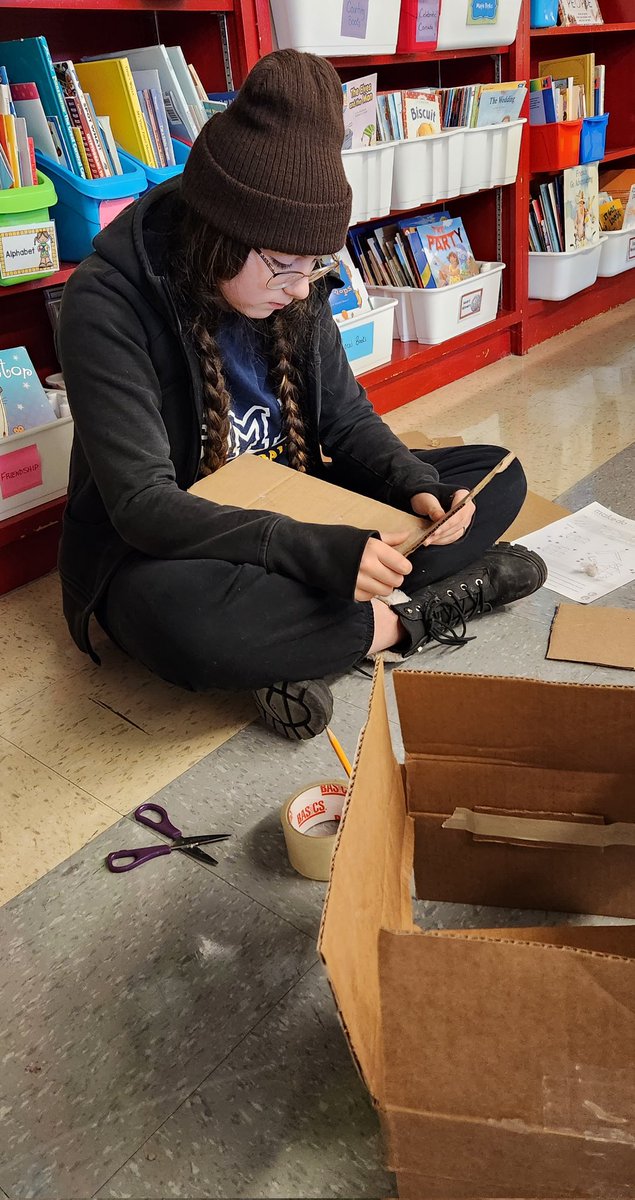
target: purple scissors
<point>127,860</point>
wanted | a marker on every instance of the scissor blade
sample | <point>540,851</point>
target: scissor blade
<point>199,855</point>
<point>203,841</point>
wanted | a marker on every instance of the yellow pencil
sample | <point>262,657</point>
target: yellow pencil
<point>340,753</point>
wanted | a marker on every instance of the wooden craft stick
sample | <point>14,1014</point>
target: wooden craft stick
<point>501,466</point>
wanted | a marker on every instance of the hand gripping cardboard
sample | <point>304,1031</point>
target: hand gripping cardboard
<point>502,1061</point>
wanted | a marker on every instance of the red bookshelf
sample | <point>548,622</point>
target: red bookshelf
<point>496,219</point>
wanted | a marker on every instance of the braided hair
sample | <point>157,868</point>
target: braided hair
<point>200,259</point>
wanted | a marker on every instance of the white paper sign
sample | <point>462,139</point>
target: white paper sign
<point>588,554</point>
<point>28,250</point>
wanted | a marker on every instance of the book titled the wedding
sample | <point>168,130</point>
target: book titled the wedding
<point>23,402</point>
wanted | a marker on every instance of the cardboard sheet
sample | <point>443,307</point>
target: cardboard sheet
<point>602,636</point>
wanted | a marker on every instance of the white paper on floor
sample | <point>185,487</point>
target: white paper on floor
<point>588,554</point>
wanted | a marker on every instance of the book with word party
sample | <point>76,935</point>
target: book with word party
<point>448,251</point>
<point>23,402</point>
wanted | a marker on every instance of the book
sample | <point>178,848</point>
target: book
<point>27,104</point>
<point>421,114</point>
<point>579,67</point>
<point>184,79</point>
<point>580,206</point>
<point>60,146</point>
<point>81,116</point>
<point>599,86</point>
<point>111,85</point>
<point>24,403</point>
<point>500,104</point>
<point>28,60</point>
<point>148,81</point>
<point>352,298</point>
<point>9,142</point>
<point>611,215</point>
<point>629,211</point>
<point>579,12</point>
<point>6,174</point>
<point>182,124</point>
<point>24,155</point>
<point>448,251</point>
<point>110,144</point>
<point>359,99</point>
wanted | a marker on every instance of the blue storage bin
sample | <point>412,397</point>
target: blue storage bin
<point>155,175</point>
<point>85,206</point>
<point>593,138</point>
<point>543,14</point>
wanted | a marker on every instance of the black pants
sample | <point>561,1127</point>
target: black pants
<point>204,623</point>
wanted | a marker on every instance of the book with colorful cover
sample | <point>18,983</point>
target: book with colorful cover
<point>359,99</point>
<point>148,80</point>
<point>498,103</point>
<point>352,298</point>
<point>580,68</point>
<point>111,85</point>
<point>580,206</point>
<point>23,402</point>
<point>448,251</point>
<point>580,12</point>
<point>28,60</point>
<point>421,115</point>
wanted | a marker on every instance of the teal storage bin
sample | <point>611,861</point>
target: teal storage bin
<point>543,14</point>
<point>86,206</point>
<point>155,175</point>
<point>593,138</point>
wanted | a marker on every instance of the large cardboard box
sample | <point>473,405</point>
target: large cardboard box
<point>502,1061</point>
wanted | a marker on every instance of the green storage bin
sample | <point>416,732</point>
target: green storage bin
<point>27,206</point>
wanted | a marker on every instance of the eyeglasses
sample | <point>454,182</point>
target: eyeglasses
<point>283,279</point>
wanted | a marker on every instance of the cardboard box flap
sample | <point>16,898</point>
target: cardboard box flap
<point>521,722</point>
<point>252,482</point>
<point>506,1030</point>
<point>603,939</point>
<point>369,886</point>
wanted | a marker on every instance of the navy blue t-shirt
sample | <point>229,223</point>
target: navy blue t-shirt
<point>256,414</point>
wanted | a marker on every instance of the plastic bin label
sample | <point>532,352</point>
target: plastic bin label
<point>482,12</point>
<point>427,22</point>
<point>631,249</point>
<point>20,470</point>
<point>470,304</point>
<point>354,18</point>
<point>28,250</point>
<point>358,342</point>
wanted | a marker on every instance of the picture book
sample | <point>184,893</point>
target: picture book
<point>23,402</point>
<point>141,58</point>
<point>448,251</point>
<point>580,205</point>
<point>28,60</point>
<point>629,211</point>
<point>111,85</point>
<point>579,12</point>
<point>498,104</point>
<point>352,298</point>
<point>542,107</point>
<point>27,104</point>
<point>81,118</point>
<point>611,215</point>
<point>579,67</point>
<point>359,97</point>
<point>421,114</point>
<point>186,84</point>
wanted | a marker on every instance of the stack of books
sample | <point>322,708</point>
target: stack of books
<point>17,152</point>
<point>567,89</point>
<point>429,250</point>
<point>419,113</point>
<point>79,114</point>
<point>564,213</point>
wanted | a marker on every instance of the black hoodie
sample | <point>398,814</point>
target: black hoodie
<point>135,391</point>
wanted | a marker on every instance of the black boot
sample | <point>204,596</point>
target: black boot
<point>297,711</point>
<point>504,574</point>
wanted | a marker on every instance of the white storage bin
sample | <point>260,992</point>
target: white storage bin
<point>435,315</point>
<point>369,171</point>
<point>367,339</point>
<point>557,276</point>
<point>427,169</point>
<point>490,156</point>
<point>46,450</point>
<point>456,34</point>
<point>316,25</point>
<point>618,252</point>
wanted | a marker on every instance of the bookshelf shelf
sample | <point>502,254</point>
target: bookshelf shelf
<point>425,56</point>
<point>569,31</point>
<point>65,272</point>
<point>106,6</point>
<point>619,152</point>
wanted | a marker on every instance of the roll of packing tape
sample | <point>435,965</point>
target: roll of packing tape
<point>310,821</point>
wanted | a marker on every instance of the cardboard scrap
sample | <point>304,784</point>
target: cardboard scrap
<point>602,636</point>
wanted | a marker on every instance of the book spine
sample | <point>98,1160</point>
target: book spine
<point>81,150</point>
<point>76,121</point>
<point>162,122</point>
<point>157,140</point>
<point>65,123</point>
<point>144,136</point>
<point>31,146</point>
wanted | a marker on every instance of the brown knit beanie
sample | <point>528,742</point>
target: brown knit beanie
<point>268,171</point>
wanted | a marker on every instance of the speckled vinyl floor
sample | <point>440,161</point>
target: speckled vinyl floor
<point>169,1033</point>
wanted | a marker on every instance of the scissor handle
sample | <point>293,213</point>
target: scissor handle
<point>127,860</point>
<point>163,825</point>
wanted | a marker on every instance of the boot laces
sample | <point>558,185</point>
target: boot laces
<point>440,618</point>
<point>472,601</point>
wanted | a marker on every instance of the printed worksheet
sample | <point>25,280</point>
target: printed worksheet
<point>588,554</point>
